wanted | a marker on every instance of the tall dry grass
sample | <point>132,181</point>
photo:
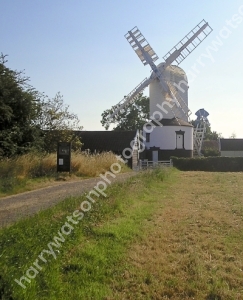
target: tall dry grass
<point>15,171</point>
<point>92,165</point>
<point>35,165</point>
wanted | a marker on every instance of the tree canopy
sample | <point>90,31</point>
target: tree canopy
<point>28,119</point>
<point>209,134</point>
<point>58,123</point>
<point>19,108</point>
<point>133,117</point>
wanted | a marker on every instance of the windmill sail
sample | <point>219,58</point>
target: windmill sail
<point>181,109</point>
<point>176,55</point>
<point>189,43</point>
<point>126,101</point>
<point>140,45</point>
<point>145,52</point>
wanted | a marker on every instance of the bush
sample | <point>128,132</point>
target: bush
<point>210,164</point>
<point>210,152</point>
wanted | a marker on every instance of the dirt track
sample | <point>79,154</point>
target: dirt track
<point>13,208</point>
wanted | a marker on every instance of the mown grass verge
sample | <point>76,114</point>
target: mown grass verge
<point>35,170</point>
<point>89,257</point>
<point>194,245</point>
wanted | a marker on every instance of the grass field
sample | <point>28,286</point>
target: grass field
<point>161,235</point>
<point>194,243</point>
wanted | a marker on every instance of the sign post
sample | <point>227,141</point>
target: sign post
<point>64,157</point>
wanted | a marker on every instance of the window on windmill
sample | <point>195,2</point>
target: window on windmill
<point>147,137</point>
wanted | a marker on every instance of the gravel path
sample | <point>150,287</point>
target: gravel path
<point>13,208</point>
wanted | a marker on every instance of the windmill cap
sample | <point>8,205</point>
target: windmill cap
<point>173,69</point>
<point>202,113</point>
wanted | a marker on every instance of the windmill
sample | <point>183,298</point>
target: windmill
<point>201,124</point>
<point>166,80</point>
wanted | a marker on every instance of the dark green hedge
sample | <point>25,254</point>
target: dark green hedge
<point>211,164</point>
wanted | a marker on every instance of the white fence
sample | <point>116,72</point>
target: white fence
<point>146,164</point>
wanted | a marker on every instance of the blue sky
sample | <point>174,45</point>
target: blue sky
<point>78,48</point>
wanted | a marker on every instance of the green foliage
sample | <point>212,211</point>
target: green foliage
<point>233,135</point>
<point>209,134</point>
<point>210,148</point>
<point>29,120</point>
<point>210,152</point>
<point>210,164</point>
<point>58,124</point>
<point>91,256</point>
<point>18,110</point>
<point>132,118</point>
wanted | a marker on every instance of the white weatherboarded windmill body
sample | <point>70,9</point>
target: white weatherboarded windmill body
<point>169,132</point>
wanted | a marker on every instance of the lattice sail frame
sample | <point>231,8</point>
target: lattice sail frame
<point>148,56</point>
<point>188,44</point>
<point>141,46</point>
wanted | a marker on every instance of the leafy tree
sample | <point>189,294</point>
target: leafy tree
<point>209,134</point>
<point>133,117</point>
<point>18,110</point>
<point>28,119</point>
<point>58,123</point>
<point>210,151</point>
<point>233,135</point>
<point>210,144</point>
